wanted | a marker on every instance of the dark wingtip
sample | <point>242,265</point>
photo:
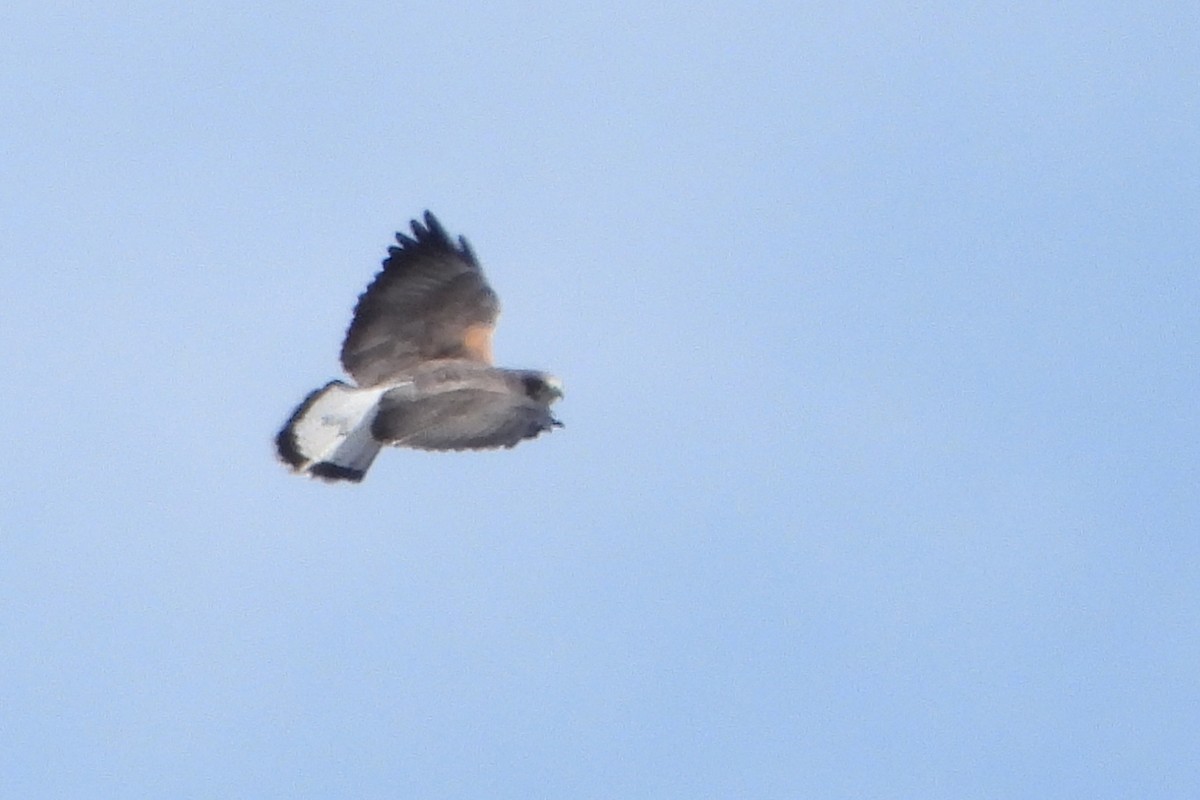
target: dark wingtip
<point>465,248</point>
<point>429,233</point>
<point>285,441</point>
<point>432,231</point>
<point>434,226</point>
<point>286,450</point>
<point>333,472</point>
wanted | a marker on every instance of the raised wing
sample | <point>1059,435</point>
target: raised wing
<point>461,419</point>
<point>430,301</point>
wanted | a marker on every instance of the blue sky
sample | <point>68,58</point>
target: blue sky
<point>879,329</point>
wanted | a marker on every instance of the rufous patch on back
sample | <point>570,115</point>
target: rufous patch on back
<point>477,343</point>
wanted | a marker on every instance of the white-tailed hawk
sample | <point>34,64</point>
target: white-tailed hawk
<point>420,350</point>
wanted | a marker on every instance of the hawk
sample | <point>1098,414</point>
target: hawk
<point>419,348</point>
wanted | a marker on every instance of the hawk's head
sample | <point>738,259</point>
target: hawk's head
<point>543,387</point>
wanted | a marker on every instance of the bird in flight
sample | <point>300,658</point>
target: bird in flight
<point>419,348</point>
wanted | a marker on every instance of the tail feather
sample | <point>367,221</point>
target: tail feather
<point>328,436</point>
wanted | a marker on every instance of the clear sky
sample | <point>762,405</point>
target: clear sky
<point>879,326</point>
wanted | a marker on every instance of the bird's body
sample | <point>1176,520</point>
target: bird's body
<point>419,348</point>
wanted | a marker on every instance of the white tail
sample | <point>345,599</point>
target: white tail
<point>329,434</point>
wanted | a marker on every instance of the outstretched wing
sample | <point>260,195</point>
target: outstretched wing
<point>430,301</point>
<point>461,419</point>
